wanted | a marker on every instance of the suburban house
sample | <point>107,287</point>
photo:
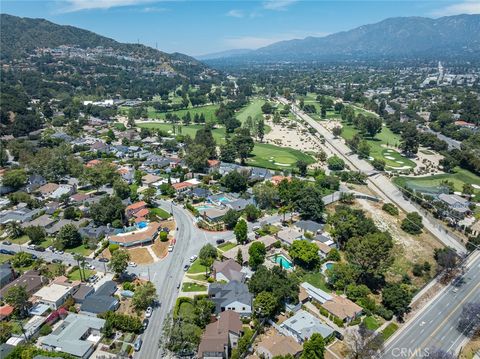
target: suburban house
<point>43,221</point>
<point>213,215</point>
<point>31,280</point>
<point>336,305</point>
<point>134,208</point>
<point>47,189</point>
<point>278,345</point>
<point>54,295</point>
<point>228,270</point>
<point>239,204</point>
<point>231,296</point>
<point>309,226</point>
<point>82,292</point>
<point>457,207</point>
<point>213,165</point>
<point>259,174</point>
<point>268,241</point>
<point>323,249</point>
<point>20,214</point>
<point>7,274</point>
<point>77,335</point>
<point>101,301</point>
<point>137,237</point>
<point>475,228</point>
<point>302,325</point>
<point>34,182</point>
<point>221,336</point>
<point>62,190</point>
<point>289,235</point>
<point>150,179</point>
<point>182,186</point>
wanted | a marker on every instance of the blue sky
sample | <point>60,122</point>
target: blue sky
<point>198,27</point>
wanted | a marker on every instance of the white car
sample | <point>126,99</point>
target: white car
<point>148,312</point>
<point>31,246</point>
<point>193,258</point>
<point>90,266</point>
<point>132,264</point>
<point>170,248</point>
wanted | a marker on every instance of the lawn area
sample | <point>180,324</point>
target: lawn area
<point>389,330</point>
<point>193,287</point>
<point>226,246</point>
<point>79,250</point>
<point>20,240</point>
<point>196,268</point>
<point>4,258</point>
<point>161,213</point>
<point>317,280</point>
<point>207,110</point>
<point>278,158</point>
<point>263,154</point>
<point>458,178</point>
<point>371,323</point>
<point>47,242</point>
<point>385,137</point>
<point>75,275</point>
<point>253,109</point>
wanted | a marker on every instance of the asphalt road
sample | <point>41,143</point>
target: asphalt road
<point>167,274</point>
<point>436,326</point>
<point>379,183</point>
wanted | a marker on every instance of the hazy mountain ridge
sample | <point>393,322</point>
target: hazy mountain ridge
<point>394,37</point>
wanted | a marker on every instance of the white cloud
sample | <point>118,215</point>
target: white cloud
<point>235,13</point>
<point>79,5</point>
<point>466,7</point>
<point>277,4</point>
<point>153,9</point>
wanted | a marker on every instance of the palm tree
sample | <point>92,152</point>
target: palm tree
<point>81,265</point>
<point>283,211</point>
<point>14,230</point>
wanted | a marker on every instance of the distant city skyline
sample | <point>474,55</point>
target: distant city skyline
<point>198,27</point>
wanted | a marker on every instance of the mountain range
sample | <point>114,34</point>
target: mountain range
<point>402,37</point>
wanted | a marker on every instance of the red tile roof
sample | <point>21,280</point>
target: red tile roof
<point>6,310</point>
<point>181,185</point>
<point>142,213</point>
<point>136,205</point>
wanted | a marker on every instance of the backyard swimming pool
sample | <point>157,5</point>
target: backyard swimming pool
<point>204,207</point>
<point>141,225</point>
<point>282,261</point>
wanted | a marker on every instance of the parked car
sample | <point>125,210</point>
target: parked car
<point>220,241</point>
<point>145,324</point>
<point>7,243</point>
<point>90,266</point>
<point>92,278</point>
<point>132,264</point>
<point>170,248</point>
<point>39,249</point>
<point>138,344</point>
<point>105,260</point>
<point>178,285</point>
<point>185,267</point>
<point>7,251</point>
<point>148,312</point>
<point>50,249</point>
<point>56,260</point>
<point>60,252</point>
<point>34,256</point>
<point>31,246</point>
<point>193,258</point>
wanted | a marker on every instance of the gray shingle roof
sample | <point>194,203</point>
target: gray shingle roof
<point>224,294</point>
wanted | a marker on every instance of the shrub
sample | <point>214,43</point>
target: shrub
<point>128,286</point>
<point>277,244</point>
<point>384,312</point>
<point>324,312</point>
<point>117,223</point>
<point>335,163</point>
<point>390,208</point>
<point>72,309</point>
<point>334,255</point>
<point>338,322</point>
<point>113,247</point>
<point>45,330</point>
<point>417,270</point>
<point>163,236</point>
<point>123,322</point>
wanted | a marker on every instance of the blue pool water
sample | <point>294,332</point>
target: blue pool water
<point>141,225</point>
<point>329,265</point>
<point>203,208</point>
<point>224,200</point>
<point>284,262</point>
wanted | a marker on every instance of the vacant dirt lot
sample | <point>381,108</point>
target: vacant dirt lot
<point>161,248</point>
<point>140,255</point>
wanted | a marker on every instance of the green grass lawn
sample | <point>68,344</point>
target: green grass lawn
<point>317,280</point>
<point>196,268</point>
<point>159,212</point>
<point>371,323</point>
<point>389,330</point>
<point>253,109</point>
<point>207,110</point>
<point>226,246</point>
<point>193,287</point>
<point>4,258</point>
<point>75,275</point>
<point>263,154</point>
<point>47,242</point>
<point>385,137</point>
<point>20,240</point>
<point>79,250</point>
<point>458,178</point>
